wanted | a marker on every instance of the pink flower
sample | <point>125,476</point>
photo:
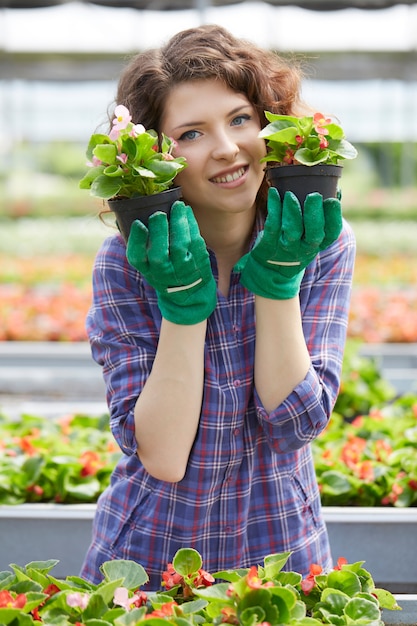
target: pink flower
<point>78,599</point>
<point>138,129</point>
<point>114,134</point>
<point>319,122</point>
<point>122,157</point>
<point>95,162</point>
<point>122,117</point>
<point>121,598</point>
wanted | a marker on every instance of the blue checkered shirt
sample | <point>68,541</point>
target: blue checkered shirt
<point>250,487</point>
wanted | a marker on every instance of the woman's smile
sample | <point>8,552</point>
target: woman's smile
<point>231,178</point>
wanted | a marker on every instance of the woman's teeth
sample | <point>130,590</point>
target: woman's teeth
<point>229,178</point>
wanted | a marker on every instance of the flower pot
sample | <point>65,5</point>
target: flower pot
<point>127,210</point>
<point>305,179</point>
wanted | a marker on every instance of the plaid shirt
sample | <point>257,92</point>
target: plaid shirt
<point>250,487</point>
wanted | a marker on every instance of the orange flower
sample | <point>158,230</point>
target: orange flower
<point>91,463</point>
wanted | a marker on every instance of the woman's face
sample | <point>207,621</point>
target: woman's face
<point>216,129</point>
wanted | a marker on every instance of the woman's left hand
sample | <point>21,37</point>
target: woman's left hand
<point>291,239</point>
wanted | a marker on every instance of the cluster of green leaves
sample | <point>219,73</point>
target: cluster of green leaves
<point>295,140</point>
<point>362,385</point>
<point>149,167</point>
<point>250,597</point>
<point>371,461</point>
<point>65,461</point>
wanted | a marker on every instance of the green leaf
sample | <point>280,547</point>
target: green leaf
<point>232,575</point>
<point>346,581</point>
<point>386,599</point>
<point>15,617</point>
<point>215,593</point>
<point>285,600</point>
<point>187,561</point>
<point>361,611</point>
<point>105,187</point>
<point>251,616</point>
<point>335,482</point>
<point>131,574</point>
<point>311,157</point>
<point>106,153</point>
<point>273,564</point>
<point>280,132</point>
<point>334,600</point>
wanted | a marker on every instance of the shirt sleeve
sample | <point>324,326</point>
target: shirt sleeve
<point>325,300</point>
<point>123,326</point>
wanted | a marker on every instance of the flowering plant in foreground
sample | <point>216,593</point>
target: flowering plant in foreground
<point>308,140</point>
<point>256,596</point>
<point>130,161</point>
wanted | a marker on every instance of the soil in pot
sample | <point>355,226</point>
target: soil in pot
<point>305,179</point>
<point>127,210</point>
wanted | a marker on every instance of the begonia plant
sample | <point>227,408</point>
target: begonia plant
<point>67,460</point>
<point>371,460</point>
<point>262,595</point>
<point>309,140</point>
<point>130,161</point>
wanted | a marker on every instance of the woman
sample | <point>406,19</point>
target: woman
<point>221,336</point>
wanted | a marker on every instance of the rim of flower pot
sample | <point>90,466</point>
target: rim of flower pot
<point>127,210</point>
<point>305,179</point>
<point>297,169</point>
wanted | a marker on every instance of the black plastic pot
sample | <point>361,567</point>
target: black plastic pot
<point>127,210</point>
<point>305,179</point>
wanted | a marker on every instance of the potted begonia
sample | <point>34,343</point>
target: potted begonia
<point>133,169</point>
<point>304,153</point>
<point>189,595</point>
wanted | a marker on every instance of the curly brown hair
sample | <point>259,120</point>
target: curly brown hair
<point>269,81</point>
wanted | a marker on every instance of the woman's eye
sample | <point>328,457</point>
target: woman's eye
<point>189,135</point>
<point>240,119</point>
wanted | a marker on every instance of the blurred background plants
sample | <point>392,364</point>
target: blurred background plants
<point>50,231</point>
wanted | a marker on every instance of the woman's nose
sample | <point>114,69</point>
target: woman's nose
<point>225,147</point>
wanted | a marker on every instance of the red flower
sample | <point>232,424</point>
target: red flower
<point>253,580</point>
<point>7,600</point>
<point>27,445</point>
<point>170,578</point>
<point>204,579</point>
<point>289,156</point>
<point>166,610</point>
<point>229,615</point>
<point>50,590</point>
<point>340,562</point>
<point>36,489</point>
<point>91,463</point>
<point>365,471</point>
<point>310,581</point>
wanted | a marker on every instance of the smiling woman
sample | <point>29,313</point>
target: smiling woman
<point>217,304</point>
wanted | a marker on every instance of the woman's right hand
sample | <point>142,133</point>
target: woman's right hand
<point>172,256</point>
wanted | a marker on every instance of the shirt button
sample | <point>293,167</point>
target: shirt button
<point>228,529</point>
<point>237,382</point>
<point>236,432</point>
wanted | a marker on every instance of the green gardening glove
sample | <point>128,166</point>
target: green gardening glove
<point>173,258</point>
<point>291,239</point>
